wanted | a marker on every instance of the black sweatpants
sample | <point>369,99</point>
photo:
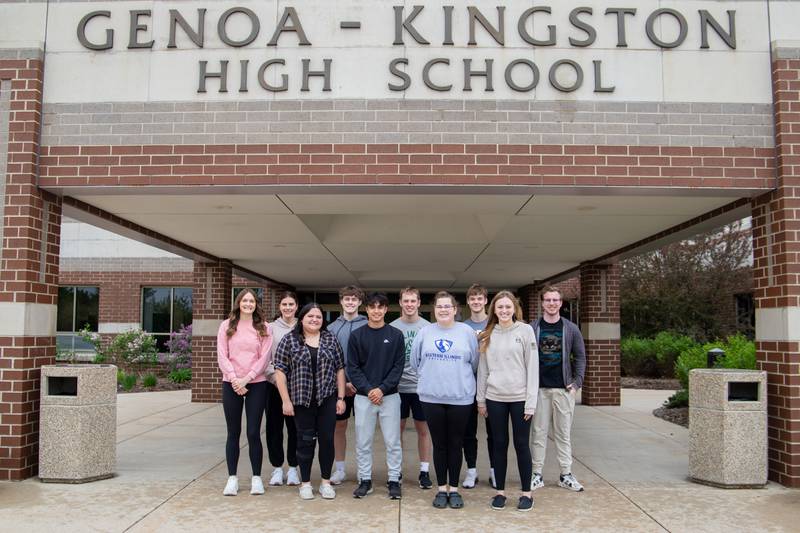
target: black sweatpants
<point>253,404</point>
<point>471,440</point>
<point>315,423</point>
<point>275,423</point>
<point>447,424</point>
<point>499,412</point>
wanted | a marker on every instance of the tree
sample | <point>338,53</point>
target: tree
<point>688,286</point>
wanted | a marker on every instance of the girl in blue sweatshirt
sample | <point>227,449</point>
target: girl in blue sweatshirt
<point>445,356</point>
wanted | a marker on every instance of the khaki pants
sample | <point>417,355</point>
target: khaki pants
<point>556,405</point>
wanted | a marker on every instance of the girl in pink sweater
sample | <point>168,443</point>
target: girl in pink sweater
<point>243,352</point>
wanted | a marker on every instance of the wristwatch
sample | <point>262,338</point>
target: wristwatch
<point>340,399</point>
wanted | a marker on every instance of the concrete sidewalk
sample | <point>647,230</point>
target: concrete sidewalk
<point>171,472</point>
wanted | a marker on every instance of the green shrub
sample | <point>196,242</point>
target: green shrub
<point>695,357</point>
<point>739,353</point>
<point>131,347</point>
<point>149,381</point>
<point>653,358</point>
<point>668,346</point>
<point>636,357</point>
<point>129,381</point>
<point>679,399</point>
<point>120,377</point>
<point>180,375</point>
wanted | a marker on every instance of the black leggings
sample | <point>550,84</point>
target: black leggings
<point>275,423</point>
<point>471,440</point>
<point>446,424</point>
<point>499,412</point>
<point>253,403</point>
<point>315,423</point>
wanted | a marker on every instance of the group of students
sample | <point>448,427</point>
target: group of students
<point>444,374</point>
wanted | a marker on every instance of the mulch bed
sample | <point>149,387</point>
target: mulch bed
<point>163,385</point>
<point>679,415</point>
<point>627,382</point>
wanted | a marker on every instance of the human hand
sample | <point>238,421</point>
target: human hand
<point>340,407</point>
<point>240,386</point>
<point>349,389</point>
<point>288,409</point>
<point>375,396</point>
<point>482,411</point>
<point>527,417</point>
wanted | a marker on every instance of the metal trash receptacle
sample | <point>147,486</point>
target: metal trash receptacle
<point>728,427</point>
<point>78,423</point>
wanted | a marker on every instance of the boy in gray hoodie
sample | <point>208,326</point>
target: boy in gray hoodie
<point>350,298</point>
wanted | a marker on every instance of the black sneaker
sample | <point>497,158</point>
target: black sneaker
<point>440,500</point>
<point>525,504</point>
<point>395,492</point>
<point>364,488</point>
<point>425,480</point>
<point>499,502</point>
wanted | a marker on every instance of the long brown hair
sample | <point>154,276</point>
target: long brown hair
<point>485,335</point>
<point>259,324</point>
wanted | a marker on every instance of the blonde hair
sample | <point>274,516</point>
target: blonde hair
<point>485,335</point>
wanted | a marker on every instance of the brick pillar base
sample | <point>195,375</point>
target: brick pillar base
<point>211,298</point>
<point>776,277</point>
<point>30,228</point>
<point>599,312</point>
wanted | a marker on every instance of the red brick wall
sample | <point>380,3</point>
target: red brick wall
<point>600,303</point>
<point>206,378</point>
<point>776,276</point>
<point>473,164</point>
<point>27,275</point>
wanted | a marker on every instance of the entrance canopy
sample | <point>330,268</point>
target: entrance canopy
<point>323,241</point>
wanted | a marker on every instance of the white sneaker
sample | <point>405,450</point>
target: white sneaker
<point>276,479</point>
<point>231,487</point>
<point>256,485</point>
<point>537,482</point>
<point>292,478</point>
<point>471,479</point>
<point>337,477</point>
<point>568,481</point>
<point>306,492</point>
<point>326,491</point>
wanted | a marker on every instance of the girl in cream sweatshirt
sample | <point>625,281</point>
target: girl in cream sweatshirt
<point>508,385</point>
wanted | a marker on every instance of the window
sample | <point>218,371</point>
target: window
<point>164,310</point>
<point>77,307</point>
<point>745,313</point>
<point>258,290</point>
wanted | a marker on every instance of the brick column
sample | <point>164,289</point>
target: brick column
<point>31,227</point>
<point>776,277</point>
<point>211,303</point>
<point>599,312</point>
<point>530,300</point>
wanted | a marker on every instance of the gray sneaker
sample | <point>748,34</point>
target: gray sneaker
<point>568,481</point>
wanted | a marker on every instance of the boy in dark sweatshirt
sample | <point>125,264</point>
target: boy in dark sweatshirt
<point>375,361</point>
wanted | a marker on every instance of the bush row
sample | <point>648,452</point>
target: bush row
<point>671,355</point>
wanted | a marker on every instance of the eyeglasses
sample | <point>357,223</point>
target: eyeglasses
<point>444,307</point>
<point>551,300</point>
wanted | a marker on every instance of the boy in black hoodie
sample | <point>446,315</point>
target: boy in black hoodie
<point>375,361</point>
